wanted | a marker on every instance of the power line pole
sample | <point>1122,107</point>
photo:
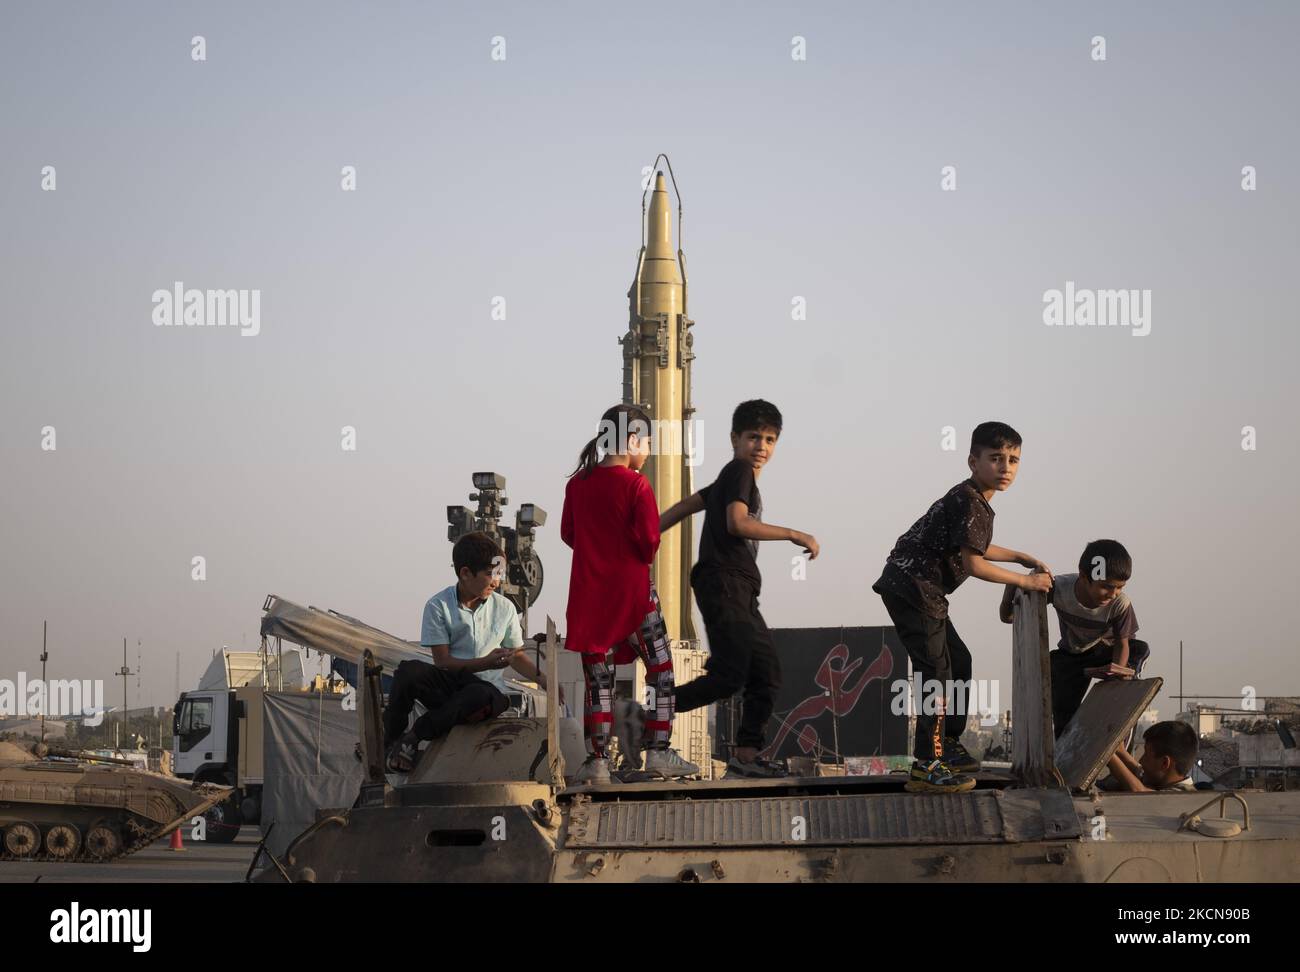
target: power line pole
<point>125,673</point>
<point>45,686</point>
<point>1181,697</point>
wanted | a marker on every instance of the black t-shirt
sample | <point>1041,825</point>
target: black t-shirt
<point>925,564</point>
<point>719,548</point>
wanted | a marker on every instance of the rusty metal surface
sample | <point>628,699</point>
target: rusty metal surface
<point>1032,749</point>
<point>781,786</point>
<point>1043,836</point>
<point>467,794</point>
<point>496,750</point>
<point>1156,817</point>
<point>452,844</point>
<point>981,816</point>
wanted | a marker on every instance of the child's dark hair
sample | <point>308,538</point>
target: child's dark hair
<point>993,435</point>
<point>1177,740</point>
<point>616,425</point>
<point>753,415</point>
<point>1119,565</point>
<point>476,551</point>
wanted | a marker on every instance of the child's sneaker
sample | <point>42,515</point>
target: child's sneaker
<point>593,771</point>
<point>958,758</point>
<point>668,763</point>
<point>935,777</point>
<point>759,769</point>
<point>403,754</point>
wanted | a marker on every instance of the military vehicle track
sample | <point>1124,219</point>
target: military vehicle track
<point>77,811</point>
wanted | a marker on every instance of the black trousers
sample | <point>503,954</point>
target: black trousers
<point>451,698</point>
<point>742,655</point>
<point>938,654</point>
<point>1070,682</point>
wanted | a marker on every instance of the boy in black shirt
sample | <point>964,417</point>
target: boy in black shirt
<point>953,540</point>
<point>726,582</point>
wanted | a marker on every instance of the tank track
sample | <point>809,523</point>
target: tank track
<point>139,836</point>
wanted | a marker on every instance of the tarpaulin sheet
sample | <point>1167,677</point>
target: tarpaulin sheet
<point>309,761</point>
<point>335,634</point>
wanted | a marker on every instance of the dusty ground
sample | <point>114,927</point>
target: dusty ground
<point>13,752</point>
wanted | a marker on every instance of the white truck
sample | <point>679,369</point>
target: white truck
<point>217,732</point>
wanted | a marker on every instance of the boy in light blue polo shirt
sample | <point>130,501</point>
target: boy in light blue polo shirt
<point>473,633</point>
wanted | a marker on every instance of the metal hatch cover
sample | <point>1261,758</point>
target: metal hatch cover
<point>1108,712</point>
<point>977,817</point>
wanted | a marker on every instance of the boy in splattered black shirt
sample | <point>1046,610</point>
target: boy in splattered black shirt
<point>952,541</point>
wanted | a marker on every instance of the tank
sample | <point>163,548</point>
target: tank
<point>475,809</point>
<point>490,803</point>
<point>70,808</point>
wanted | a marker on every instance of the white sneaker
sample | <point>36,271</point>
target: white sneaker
<point>593,771</point>
<point>669,764</point>
<point>629,727</point>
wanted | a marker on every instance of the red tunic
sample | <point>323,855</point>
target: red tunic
<point>611,521</point>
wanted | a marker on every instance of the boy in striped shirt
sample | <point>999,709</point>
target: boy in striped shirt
<point>1097,626</point>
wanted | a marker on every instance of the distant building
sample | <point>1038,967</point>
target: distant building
<point>28,728</point>
<point>1246,749</point>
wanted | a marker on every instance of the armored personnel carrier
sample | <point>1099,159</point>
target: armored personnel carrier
<point>474,810</point>
<point>67,808</point>
<point>489,802</point>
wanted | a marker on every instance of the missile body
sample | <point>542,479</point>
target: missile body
<point>657,359</point>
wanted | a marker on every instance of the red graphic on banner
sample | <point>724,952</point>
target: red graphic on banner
<point>835,697</point>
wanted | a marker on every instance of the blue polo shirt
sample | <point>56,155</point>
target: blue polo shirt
<point>472,634</point>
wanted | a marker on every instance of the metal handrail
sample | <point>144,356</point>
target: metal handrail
<point>1221,799</point>
<point>288,851</point>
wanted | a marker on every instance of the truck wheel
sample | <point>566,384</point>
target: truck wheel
<point>222,823</point>
<point>250,808</point>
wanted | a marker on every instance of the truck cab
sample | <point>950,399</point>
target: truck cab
<point>200,732</point>
<point>217,738</point>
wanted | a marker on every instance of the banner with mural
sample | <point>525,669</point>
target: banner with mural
<point>835,696</point>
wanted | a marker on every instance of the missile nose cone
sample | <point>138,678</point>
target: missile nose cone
<point>659,235</point>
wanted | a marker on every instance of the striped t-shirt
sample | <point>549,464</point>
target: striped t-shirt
<point>1083,628</point>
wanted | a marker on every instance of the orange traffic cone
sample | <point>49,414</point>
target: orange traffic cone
<point>177,843</point>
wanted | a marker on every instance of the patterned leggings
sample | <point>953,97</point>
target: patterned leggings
<point>650,642</point>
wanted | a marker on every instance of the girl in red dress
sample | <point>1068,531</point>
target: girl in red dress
<point>611,521</point>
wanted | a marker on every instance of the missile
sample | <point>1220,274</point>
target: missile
<point>657,360</point>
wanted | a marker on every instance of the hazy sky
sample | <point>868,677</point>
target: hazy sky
<point>520,178</point>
